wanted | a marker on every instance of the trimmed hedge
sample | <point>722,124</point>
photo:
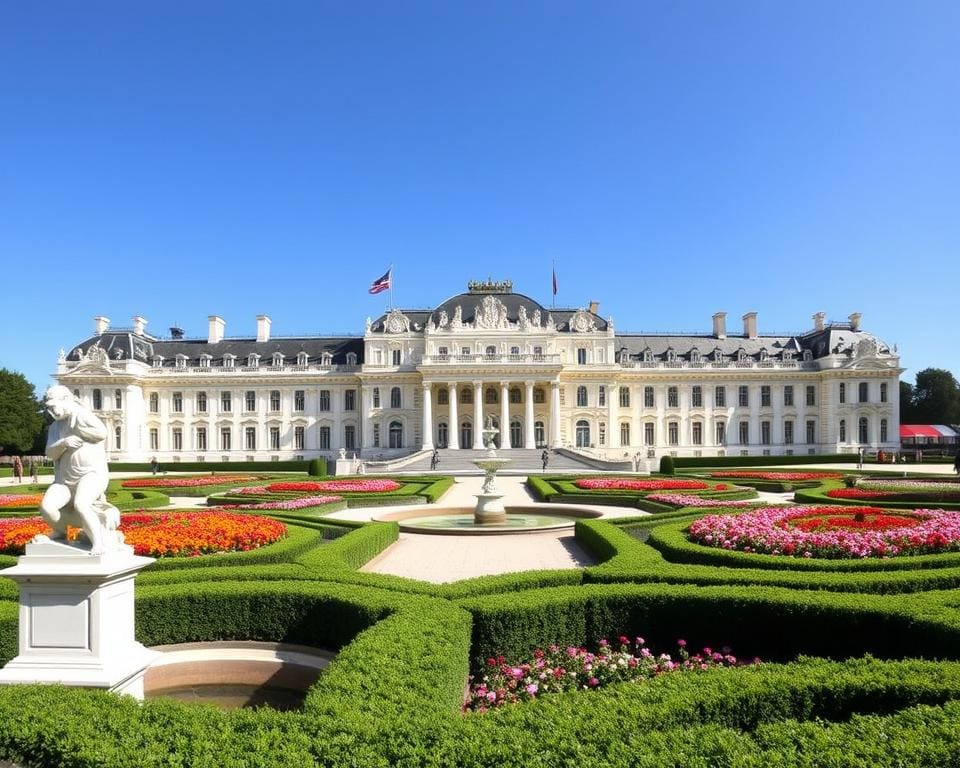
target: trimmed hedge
<point>206,467</point>
<point>762,461</point>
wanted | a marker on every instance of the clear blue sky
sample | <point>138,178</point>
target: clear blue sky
<point>181,159</point>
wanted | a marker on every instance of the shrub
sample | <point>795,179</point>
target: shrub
<point>666,465</point>
<point>317,468</point>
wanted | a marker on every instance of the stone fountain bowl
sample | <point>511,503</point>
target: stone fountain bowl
<point>459,521</point>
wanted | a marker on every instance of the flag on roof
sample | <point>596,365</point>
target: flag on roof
<point>382,283</point>
<point>554,281</point>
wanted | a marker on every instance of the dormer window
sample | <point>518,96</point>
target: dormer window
<point>205,360</point>
<point>695,356</point>
<point>807,355</point>
<point>158,361</point>
<point>647,356</point>
<point>351,358</point>
<point>302,358</point>
<point>277,359</point>
<point>253,361</point>
<point>181,361</point>
<point>788,354</point>
<point>229,360</point>
<point>326,359</point>
<point>764,355</point>
<point>717,355</point>
<point>671,356</point>
<point>741,356</point>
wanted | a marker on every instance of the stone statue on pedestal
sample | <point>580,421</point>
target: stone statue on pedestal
<point>77,495</point>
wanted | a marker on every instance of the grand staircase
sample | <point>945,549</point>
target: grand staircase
<point>522,461</point>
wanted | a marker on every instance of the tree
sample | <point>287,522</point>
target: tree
<point>906,403</point>
<point>936,397</point>
<point>20,421</point>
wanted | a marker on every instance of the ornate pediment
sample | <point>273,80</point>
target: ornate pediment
<point>866,348</point>
<point>582,322</point>
<point>94,359</point>
<point>491,314</point>
<point>396,322</point>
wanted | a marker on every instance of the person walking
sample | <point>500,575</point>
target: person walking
<point>860,458</point>
<point>18,469</point>
<point>434,459</point>
<point>956,463</point>
<point>154,465</point>
<point>545,458</point>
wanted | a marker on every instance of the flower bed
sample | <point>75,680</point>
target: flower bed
<point>298,503</point>
<point>337,486</point>
<point>185,482</point>
<point>568,669</point>
<point>20,500</point>
<point>893,489</point>
<point>689,500</point>
<point>165,534</point>
<point>778,476</point>
<point>630,484</point>
<point>831,532</point>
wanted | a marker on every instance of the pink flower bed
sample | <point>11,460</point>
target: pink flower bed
<point>303,501</point>
<point>785,476</point>
<point>185,482</point>
<point>840,532</point>
<point>569,669</point>
<point>338,486</point>
<point>689,500</point>
<point>630,484</point>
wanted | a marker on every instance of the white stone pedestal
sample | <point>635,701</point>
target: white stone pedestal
<point>77,618</point>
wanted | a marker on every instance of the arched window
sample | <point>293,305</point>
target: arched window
<point>515,395</point>
<point>843,430</point>
<point>117,437</point>
<point>583,434</point>
<point>466,396</point>
<point>277,359</point>
<point>539,434</point>
<point>516,434</point>
<point>302,358</point>
<point>863,430</point>
<point>741,356</point>
<point>395,398</point>
<point>443,396</point>
<point>491,396</point>
<point>807,355</point>
<point>443,435</point>
<point>396,434</point>
<point>582,397</point>
<point>466,435</point>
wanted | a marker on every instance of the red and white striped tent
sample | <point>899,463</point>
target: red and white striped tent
<point>928,434</point>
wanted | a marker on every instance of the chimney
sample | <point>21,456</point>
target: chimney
<point>819,320</point>
<point>139,323</point>
<point>215,328</point>
<point>720,325</point>
<point>855,321</point>
<point>263,328</point>
<point>594,306</point>
<point>100,325</point>
<point>750,325</point>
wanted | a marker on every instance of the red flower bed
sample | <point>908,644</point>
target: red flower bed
<point>630,484</point>
<point>785,476</point>
<point>864,519</point>
<point>166,534</point>
<point>338,486</point>
<point>185,482</point>
<point>857,493</point>
<point>18,500</point>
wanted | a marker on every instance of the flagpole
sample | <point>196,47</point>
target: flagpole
<point>553,284</point>
<point>390,272</point>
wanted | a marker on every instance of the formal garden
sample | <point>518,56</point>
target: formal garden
<point>715,629</point>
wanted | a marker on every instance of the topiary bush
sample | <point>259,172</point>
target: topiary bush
<point>317,468</point>
<point>666,465</point>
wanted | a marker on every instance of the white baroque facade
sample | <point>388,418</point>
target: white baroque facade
<point>419,379</point>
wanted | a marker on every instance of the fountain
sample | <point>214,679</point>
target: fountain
<point>490,516</point>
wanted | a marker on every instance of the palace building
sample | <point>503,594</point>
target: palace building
<point>547,378</point>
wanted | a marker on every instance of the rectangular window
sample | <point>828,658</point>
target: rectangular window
<point>274,400</point>
<point>883,430</point>
<point>765,395</point>
<point>177,439</point>
<point>765,432</point>
<point>720,397</point>
<point>539,396</point>
<point>154,400</point>
<point>376,435</point>
<point>274,438</point>
<point>788,432</point>
<point>883,392</point>
<point>743,396</point>
<point>201,402</point>
<point>376,397</point>
<point>201,438</point>
<point>696,433</point>
<point>673,433</point>
<point>788,395</point>
<point>744,433</point>
<point>97,400</point>
<point>602,396</point>
<point>350,400</point>
<point>350,437</point>
<point>395,356</point>
<point>250,401</point>
<point>811,395</point>
<point>602,433</point>
<point>324,438</point>
<point>226,402</point>
<point>863,392</point>
<point>624,397</point>
<point>811,432</point>
<point>250,438</point>
<point>118,397</point>
<point>225,439</point>
<point>673,398</point>
<point>299,401</point>
<point>298,438</point>
<point>648,434</point>
<point>843,392</point>
<point>324,402</point>
<point>154,439</point>
<point>648,397</point>
<point>696,396</point>
<point>720,432</point>
<point>177,404</point>
<point>581,356</point>
<point>624,434</point>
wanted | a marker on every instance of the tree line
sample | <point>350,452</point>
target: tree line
<point>23,422</point>
<point>933,399</point>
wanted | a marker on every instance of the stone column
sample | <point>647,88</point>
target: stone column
<point>453,428</point>
<point>478,415</point>
<point>613,426</point>
<point>554,414</point>
<point>366,409</point>
<point>504,415</point>
<point>427,419</point>
<point>530,440</point>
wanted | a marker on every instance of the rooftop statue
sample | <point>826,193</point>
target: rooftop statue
<point>77,495</point>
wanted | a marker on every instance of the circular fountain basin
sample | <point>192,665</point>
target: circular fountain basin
<point>235,674</point>
<point>460,521</point>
